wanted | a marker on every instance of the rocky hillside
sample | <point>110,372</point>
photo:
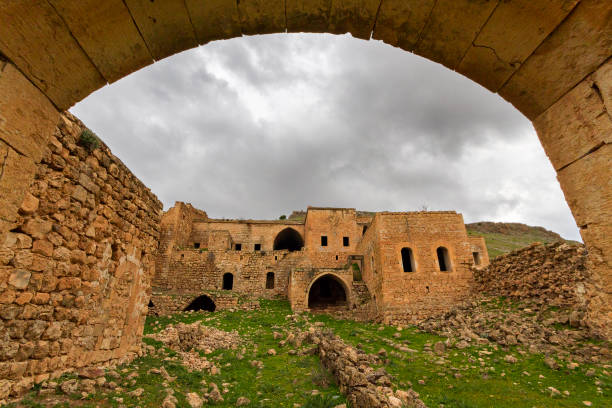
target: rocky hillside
<point>504,237</point>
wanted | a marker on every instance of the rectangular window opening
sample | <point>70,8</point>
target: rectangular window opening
<point>258,247</point>
<point>238,247</point>
<point>476,256</point>
<point>323,240</point>
<point>345,241</point>
<point>196,245</point>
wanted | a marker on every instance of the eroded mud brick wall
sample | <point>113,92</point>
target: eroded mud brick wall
<point>424,290</point>
<point>554,274</point>
<point>76,267</point>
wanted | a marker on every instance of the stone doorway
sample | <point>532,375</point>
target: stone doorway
<point>327,292</point>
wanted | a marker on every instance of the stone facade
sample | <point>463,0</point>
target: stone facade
<point>398,267</point>
<point>76,264</point>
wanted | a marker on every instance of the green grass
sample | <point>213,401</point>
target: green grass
<point>485,379</point>
<point>498,244</point>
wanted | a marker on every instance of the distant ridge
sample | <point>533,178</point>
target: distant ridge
<point>504,237</point>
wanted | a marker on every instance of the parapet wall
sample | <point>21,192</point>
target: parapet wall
<point>556,274</point>
<point>76,267</point>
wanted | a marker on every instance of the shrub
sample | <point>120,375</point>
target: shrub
<point>282,217</point>
<point>89,140</point>
<point>356,273</point>
<point>320,401</point>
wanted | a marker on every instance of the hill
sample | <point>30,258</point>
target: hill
<point>504,237</point>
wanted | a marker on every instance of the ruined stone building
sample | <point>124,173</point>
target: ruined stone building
<point>394,266</point>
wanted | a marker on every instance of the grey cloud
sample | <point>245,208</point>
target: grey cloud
<point>257,126</point>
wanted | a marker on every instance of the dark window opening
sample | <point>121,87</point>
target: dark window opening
<point>365,228</point>
<point>323,240</point>
<point>182,256</point>
<point>270,280</point>
<point>326,291</point>
<point>288,239</point>
<point>408,260</point>
<point>275,258</point>
<point>443,259</point>
<point>476,256</point>
<point>202,303</point>
<point>196,245</point>
<point>258,247</point>
<point>345,241</point>
<point>228,281</point>
<point>151,304</point>
<point>238,247</point>
<point>336,257</point>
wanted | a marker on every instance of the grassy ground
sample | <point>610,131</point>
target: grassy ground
<point>498,244</point>
<point>474,377</point>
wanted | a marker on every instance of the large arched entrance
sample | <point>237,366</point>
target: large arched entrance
<point>288,239</point>
<point>203,302</point>
<point>550,59</point>
<point>327,291</point>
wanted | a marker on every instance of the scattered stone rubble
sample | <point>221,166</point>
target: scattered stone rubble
<point>363,386</point>
<point>534,325</point>
<point>186,337</point>
<point>555,274</point>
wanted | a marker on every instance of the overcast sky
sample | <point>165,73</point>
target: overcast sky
<point>256,127</point>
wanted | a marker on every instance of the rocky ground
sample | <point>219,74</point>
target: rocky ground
<point>495,353</point>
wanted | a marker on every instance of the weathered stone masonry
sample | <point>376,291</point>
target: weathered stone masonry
<point>76,265</point>
<point>396,267</point>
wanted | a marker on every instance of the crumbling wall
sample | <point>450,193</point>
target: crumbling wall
<point>76,267</point>
<point>557,274</point>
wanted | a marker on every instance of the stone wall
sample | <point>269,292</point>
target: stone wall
<point>555,274</point>
<point>76,264</point>
<point>426,290</point>
<point>168,302</point>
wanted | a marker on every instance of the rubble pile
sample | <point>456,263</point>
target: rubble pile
<point>537,326</point>
<point>194,336</point>
<point>555,274</point>
<point>364,386</point>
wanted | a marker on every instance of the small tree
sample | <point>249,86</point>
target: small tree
<point>282,217</point>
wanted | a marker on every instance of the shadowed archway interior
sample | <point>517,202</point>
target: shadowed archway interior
<point>325,292</point>
<point>203,302</point>
<point>288,239</point>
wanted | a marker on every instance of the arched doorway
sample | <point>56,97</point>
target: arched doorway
<point>327,291</point>
<point>203,302</point>
<point>288,239</point>
<point>228,281</point>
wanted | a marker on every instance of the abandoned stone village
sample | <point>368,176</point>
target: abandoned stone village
<point>395,267</point>
<point>87,252</point>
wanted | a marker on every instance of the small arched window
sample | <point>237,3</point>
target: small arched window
<point>270,280</point>
<point>443,259</point>
<point>228,281</point>
<point>408,260</point>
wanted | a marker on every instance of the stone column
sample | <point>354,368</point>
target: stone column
<point>576,133</point>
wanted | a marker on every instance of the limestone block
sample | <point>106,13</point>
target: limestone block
<point>27,117</point>
<point>262,16</point>
<point>29,204</point>
<point>400,22</point>
<point>16,174</point>
<point>353,16</point>
<point>513,32</point>
<point>587,185</point>
<point>108,36</point>
<point>451,28</point>
<point>37,40</point>
<point>574,125</point>
<point>308,15</point>
<point>577,47</point>
<point>214,19</point>
<point>20,278</point>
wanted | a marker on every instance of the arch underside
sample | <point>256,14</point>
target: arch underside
<point>550,59</point>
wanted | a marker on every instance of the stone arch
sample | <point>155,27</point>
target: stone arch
<point>327,290</point>
<point>203,302</point>
<point>288,239</point>
<point>445,263</point>
<point>550,59</point>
